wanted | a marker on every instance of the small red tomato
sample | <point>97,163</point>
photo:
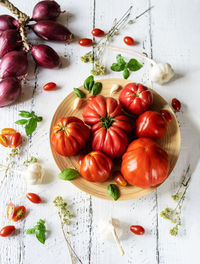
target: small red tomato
<point>119,179</point>
<point>16,140</point>
<point>138,230</point>
<point>10,211</point>
<point>8,131</point>
<point>7,231</point>
<point>176,104</point>
<point>34,198</point>
<point>97,32</point>
<point>19,213</point>
<point>129,41</point>
<point>49,86</point>
<point>166,115</point>
<point>3,140</point>
<point>86,42</point>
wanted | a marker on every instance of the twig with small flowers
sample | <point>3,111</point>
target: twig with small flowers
<point>175,215</point>
<point>65,216</point>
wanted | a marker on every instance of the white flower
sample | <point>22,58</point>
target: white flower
<point>161,72</point>
<point>34,173</point>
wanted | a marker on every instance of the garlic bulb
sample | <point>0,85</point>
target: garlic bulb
<point>161,72</point>
<point>115,88</point>
<point>34,173</point>
<point>105,229</point>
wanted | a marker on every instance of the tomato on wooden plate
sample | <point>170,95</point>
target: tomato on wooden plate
<point>19,213</point>
<point>129,41</point>
<point>137,229</point>
<point>85,42</point>
<point>3,141</point>
<point>15,140</point>
<point>7,231</point>
<point>119,179</point>
<point>166,114</point>
<point>8,131</point>
<point>97,32</point>
<point>10,211</point>
<point>176,104</point>
<point>34,198</point>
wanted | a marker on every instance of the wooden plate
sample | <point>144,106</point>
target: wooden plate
<point>170,143</point>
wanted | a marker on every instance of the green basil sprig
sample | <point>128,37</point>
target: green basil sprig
<point>96,89</point>
<point>121,65</point>
<point>88,83</point>
<point>68,174</point>
<point>113,191</point>
<point>79,93</point>
<point>39,230</point>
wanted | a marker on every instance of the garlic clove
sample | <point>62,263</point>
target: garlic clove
<point>161,73</point>
<point>34,174</point>
<point>115,89</point>
<point>78,102</point>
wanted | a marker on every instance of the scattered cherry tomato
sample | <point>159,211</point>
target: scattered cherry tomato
<point>176,104</point>
<point>3,140</point>
<point>166,115</point>
<point>7,231</point>
<point>49,86</point>
<point>86,42</point>
<point>10,211</point>
<point>119,179</point>
<point>138,230</point>
<point>80,159</point>
<point>8,131</point>
<point>34,198</point>
<point>97,32</point>
<point>19,213</point>
<point>16,140</point>
<point>129,41</point>
<point>91,98</point>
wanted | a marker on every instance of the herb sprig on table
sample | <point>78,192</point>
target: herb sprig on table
<point>174,215</point>
<point>30,121</point>
<point>126,67</point>
<point>39,230</point>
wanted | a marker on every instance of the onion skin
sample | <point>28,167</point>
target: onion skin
<point>52,30</point>
<point>10,90</point>
<point>14,64</point>
<point>8,22</point>
<point>45,10</point>
<point>45,56</point>
<point>9,41</point>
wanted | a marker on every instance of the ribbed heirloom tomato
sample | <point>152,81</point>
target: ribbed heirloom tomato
<point>96,167</point>
<point>136,98</point>
<point>145,164</point>
<point>109,125</point>
<point>151,124</point>
<point>69,135</point>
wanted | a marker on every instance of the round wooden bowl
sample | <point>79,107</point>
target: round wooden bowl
<point>170,143</point>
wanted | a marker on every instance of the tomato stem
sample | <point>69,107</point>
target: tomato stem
<point>107,121</point>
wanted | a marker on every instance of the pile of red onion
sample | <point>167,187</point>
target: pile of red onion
<point>13,55</point>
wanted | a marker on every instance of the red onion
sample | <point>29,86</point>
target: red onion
<point>9,40</point>
<point>45,56</point>
<point>46,10</point>
<point>51,30</point>
<point>14,63</point>
<point>8,22</point>
<point>10,90</point>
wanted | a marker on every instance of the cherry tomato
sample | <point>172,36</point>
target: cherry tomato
<point>16,140</point>
<point>138,230</point>
<point>97,32</point>
<point>3,140</point>
<point>19,213</point>
<point>166,115</point>
<point>119,179</point>
<point>49,86</point>
<point>34,198</point>
<point>10,210</point>
<point>86,42</point>
<point>7,231</point>
<point>129,41</point>
<point>80,159</point>
<point>176,104</point>
<point>8,131</point>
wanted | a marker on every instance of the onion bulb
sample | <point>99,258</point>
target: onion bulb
<point>8,22</point>
<point>10,90</point>
<point>9,40</point>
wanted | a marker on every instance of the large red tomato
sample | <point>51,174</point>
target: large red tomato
<point>151,124</point>
<point>109,125</point>
<point>145,164</point>
<point>96,167</point>
<point>136,98</point>
<point>69,135</point>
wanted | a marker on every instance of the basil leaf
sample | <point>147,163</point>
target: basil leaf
<point>21,122</point>
<point>31,126</point>
<point>113,191</point>
<point>30,231</point>
<point>96,89</point>
<point>117,67</point>
<point>79,93</point>
<point>68,174</point>
<point>38,118</point>
<point>126,73</point>
<point>134,65</point>
<point>41,236</point>
<point>120,60</point>
<point>88,83</point>
<point>25,114</point>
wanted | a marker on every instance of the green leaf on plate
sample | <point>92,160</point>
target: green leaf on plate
<point>96,89</point>
<point>113,191</point>
<point>68,174</point>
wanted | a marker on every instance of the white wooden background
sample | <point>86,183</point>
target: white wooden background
<point>169,33</point>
